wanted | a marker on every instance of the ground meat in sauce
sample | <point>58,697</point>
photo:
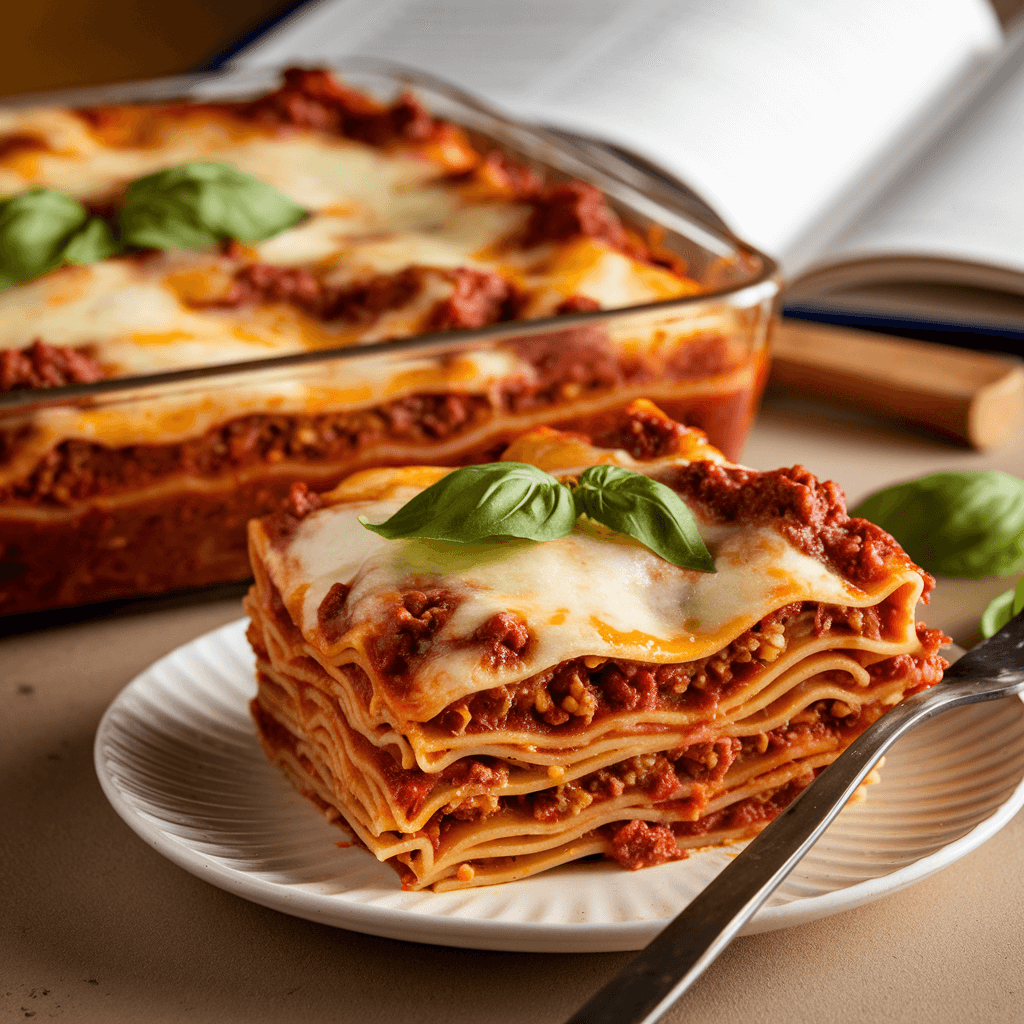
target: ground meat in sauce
<point>577,304</point>
<point>358,302</point>
<point>78,469</point>
<point>504,175</point>
<point>301,500</point>
<point>754,810</point>
<point>46,366</point>
<point>578,360</point>
<point>703,357</point>
<point>572,209</point>
<point>703,765</point>
<point>708,762</point>
<point>408,789</point>
<point>480,776</point>
<point>261,282</point>
<point>645,434</point>
<point>481,297</point>
<point>505,637</point>
<point>566,364</point>
<point>924,673</point>
<point>811,515</point>
<point>280,527</point>
<point>413,619</point>
<point>22,142</point>
<point>640,844</point>
<point>317,100</point>
<point>576,209</point>
<point>653,774</point>
<point>329,614</point>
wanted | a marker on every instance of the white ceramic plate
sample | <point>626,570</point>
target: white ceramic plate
<point>178,758</point>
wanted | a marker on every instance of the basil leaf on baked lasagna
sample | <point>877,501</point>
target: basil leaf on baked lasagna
<point>202,204</point>
<point>42,228</point>
<point>496,499</point>
<point>515,499</point>
<point>94,241</point>
<point>648,511</point>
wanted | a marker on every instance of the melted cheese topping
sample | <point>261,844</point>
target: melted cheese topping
<point>374,212</point>
<point>593,592</point>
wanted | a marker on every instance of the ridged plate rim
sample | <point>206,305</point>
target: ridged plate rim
<point>142,778</point>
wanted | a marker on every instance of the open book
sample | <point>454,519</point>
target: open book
<point>875,148</point>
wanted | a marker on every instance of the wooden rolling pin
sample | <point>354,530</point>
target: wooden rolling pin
<point>974,397</point>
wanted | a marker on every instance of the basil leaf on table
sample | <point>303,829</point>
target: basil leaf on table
<point>965,523</point>
<point>1002,609</point>
<point>497,499</point>
<point>35,227</point>
<point>645,510</point>
<point>200,205</point>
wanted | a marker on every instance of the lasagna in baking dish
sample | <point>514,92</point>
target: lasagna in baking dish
<point>476,713</point>
<point>312,218</point>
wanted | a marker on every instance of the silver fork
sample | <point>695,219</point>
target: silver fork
<point>649,985</point>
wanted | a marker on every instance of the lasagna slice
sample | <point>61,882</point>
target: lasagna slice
<point>476,713</point>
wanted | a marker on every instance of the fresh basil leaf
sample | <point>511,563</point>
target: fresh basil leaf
<point>202,204</point>
<point>1002,609</point>
<point>497,499</point>
<point>965,523</point>
<point>91,243</point>
<point>35,226</point>
<point>646,510</point>
<point>997,614</point>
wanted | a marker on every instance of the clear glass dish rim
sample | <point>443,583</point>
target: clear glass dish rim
<point>764,284</point>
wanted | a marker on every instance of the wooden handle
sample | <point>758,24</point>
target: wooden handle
<point>976,397</point>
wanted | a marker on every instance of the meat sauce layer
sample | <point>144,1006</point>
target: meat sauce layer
<point>558,369</point>
<point>570,696</point>
<point>658,776</point>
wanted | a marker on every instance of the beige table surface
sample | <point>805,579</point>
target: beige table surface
<point>97,927</point>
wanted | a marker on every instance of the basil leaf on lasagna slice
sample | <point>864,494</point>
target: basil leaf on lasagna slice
<point>479,713</point>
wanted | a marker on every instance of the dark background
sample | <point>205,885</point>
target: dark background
<point>58,44</point>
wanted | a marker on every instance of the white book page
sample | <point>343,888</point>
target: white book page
<point>965,200</point>
<point>770,110</point>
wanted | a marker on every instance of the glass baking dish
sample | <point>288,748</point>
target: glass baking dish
<point>253,429</point>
